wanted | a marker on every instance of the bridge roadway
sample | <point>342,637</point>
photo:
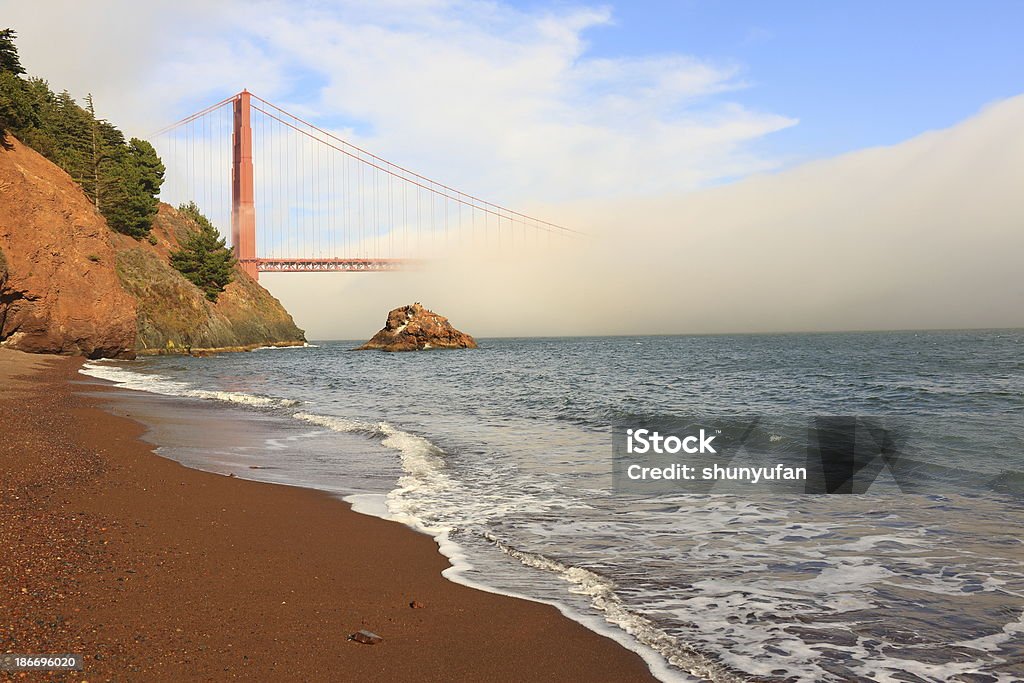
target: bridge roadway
<point>326,265</point>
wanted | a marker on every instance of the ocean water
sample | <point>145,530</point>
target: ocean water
<point>504,455</point>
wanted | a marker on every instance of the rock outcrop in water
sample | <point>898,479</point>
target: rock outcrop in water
<point>414,328</point>
<point>71,285</point>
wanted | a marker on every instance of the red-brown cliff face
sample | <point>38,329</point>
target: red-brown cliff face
<point>60,293</point>
<point>70,285</point>
<point>414,328</point>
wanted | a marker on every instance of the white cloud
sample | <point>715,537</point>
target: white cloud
<point>512,103</point>
<point>508,102</point>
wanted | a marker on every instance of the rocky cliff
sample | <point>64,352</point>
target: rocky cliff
<point>70,285</point>
<point>414,328</point>
<point>174,314</point>
<point>60,293</point>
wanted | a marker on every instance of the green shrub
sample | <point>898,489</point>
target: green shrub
<point>204,259</point>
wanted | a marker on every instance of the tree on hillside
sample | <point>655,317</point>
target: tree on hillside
<point>147,161</point>
<point>9,60</point>
<point>129,185</point>
<point>37,133</point>
<point>70,125</point>
<point>93,151</point>
<point>204,259</point>
<point>98,154</point>
<point>121,178</point>
<point>15,108</point>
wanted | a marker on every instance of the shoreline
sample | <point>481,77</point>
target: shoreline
<point>213,350</point>
<point>154,571</point>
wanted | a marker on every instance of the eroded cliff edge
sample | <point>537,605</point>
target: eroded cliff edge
<point>70,285</point>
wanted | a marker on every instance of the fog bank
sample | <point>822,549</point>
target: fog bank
<point>928,233</point>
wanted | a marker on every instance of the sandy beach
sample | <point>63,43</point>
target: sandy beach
<point>154,571</point>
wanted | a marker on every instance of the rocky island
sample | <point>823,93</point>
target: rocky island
<point>415,328</point>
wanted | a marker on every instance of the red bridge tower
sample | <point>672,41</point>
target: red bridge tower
<point>243,209</point>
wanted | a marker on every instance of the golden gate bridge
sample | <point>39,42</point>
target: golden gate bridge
<point>298,198</point>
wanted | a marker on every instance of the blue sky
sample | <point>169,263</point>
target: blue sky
<point>525,100</point>
<point>856,74</point>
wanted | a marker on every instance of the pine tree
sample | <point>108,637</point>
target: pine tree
<point>15,107</point>
<point>128,208</point>
<point>121,178</point>
<point>97,152</point>
<point>147,161</point>
<point>39,133</point>
<point>129,184</point>
<point>71,127</point>
<point>204,259</point>
<point>16,111</point>
<point>9,60</point>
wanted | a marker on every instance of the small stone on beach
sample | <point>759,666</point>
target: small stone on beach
<point>366,637</point>
<point>416,604</point>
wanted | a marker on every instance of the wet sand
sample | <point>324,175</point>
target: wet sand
<point>155,572</point>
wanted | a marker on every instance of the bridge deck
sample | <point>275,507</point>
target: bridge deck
<point>327,265</point>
